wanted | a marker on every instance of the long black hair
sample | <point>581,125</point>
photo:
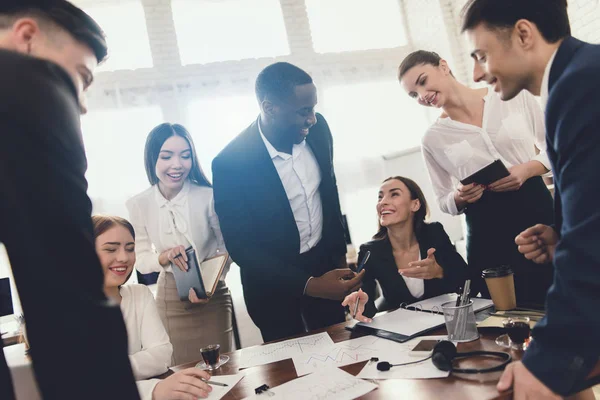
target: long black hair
<point>155,141</point>
<point>421,214</point>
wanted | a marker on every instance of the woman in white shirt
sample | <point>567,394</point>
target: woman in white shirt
<point>149,347</point>
<point>475,128</point>
<point>177,211</point>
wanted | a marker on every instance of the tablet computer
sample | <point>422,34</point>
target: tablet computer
<point>488,174</point>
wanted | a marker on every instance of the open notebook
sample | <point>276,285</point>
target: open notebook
<point>202,277</point>
<point>402,325</point>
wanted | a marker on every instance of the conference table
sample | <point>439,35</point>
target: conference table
<point>477,386</point>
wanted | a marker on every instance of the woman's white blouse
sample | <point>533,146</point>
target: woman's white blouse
<point>513,131</point>
<point>150,350</point>
<point>161,224</point>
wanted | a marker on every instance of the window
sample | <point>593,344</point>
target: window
<point>372,119</point>
<point>350,25</point>
<point>214,122</point>
<point>114,142</point>
<point>125,26</point>
<point>211,31</point>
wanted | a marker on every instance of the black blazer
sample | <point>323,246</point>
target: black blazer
<point>573,301</point>
<point>256,219</point>
<point>46,227</point>
<point>381,266</point>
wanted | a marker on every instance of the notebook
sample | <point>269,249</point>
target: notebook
<point>488,174</point>
<point>203,277</point>
<point>402,325</point>
<point>434,304</point>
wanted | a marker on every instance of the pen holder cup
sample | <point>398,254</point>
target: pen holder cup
<point>460,322</point>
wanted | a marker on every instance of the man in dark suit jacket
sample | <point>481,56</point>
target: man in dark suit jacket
<point>526,44</point>
<point>277,201</point>
<point>48,52</point>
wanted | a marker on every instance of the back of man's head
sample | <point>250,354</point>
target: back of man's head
<point>277,81</point>
<point>57,13</point>
<point>550,16</point>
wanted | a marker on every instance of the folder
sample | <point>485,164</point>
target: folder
<point>202,277</point>
<point>488,174</point>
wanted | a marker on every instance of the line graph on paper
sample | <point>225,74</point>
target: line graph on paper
<point>339,354</point>
<point>269,353</point>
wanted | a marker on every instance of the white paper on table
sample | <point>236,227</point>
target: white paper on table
<point>260,355</point>
<point>328,384</point>
<point>405,322</point>
<point>435,303</point>
<point>402,354</point>
<point>219,391</point>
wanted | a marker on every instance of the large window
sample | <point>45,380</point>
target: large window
<point>370,120</point>
<point>124,23</point>
<point>214,122</point>
<point>348,25</point>
<point>212,31</point>
<point>114,142</point>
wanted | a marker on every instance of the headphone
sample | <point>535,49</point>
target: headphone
<point>445,353</point>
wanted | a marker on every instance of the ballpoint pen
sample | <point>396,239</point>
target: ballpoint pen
<point>214,383</point>
<point>356,307</point>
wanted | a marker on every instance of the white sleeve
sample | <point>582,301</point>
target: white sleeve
<point>442,182</point>
<point>155,357</point>
<point>146,388</point>
<point>536,115</point>
<point>213,220</point>
<point>146,257</point>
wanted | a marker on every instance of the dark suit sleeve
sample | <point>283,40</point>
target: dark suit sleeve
<point>242,238</point>
<point>368,285</point>
<point>454,266</point>
<point>565,345</point>
<point>78,340</point>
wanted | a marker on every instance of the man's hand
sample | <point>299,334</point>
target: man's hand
<point>538,243</point>
<point>424,269</point>
<point>468,194</point>
<point>525,385</point>
<point>351,300</point>
<point>183,385</point>
<point>335,284</point>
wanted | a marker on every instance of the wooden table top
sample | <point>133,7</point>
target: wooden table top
<point>477,386</point>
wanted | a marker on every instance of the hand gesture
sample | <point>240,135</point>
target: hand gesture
<point>351,300</point>
<point>525,385</point>
<point>335,284</point>
<point>424,269</point>
<point>468,194</point>
<point>195,299</point>
<point>183,385</point>
<point>538,243</point>
<point>176,256</point>
<point>518,175</point>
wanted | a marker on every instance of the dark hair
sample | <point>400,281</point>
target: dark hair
<point>63,14</point>
<point>102,223</point>
<point>155,141</point>
<point>419,57</point>
<point>279,80</point>
<point>550,16</point>
<point>415,193</point>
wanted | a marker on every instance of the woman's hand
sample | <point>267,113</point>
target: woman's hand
<point>351,300</point>
<point>183,385</point>
<point>194,299</point>
<point>175,255</point>
<point>424,269</point>
<point>518,175</point>
<point>468,194</point>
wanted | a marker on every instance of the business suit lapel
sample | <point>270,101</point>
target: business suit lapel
<point>387,260</point>
<point>320,149</point>
<point>564,55</point>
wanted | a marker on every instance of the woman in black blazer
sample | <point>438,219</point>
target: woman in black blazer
<point>411,259</point>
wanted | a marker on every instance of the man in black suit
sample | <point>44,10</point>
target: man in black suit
<point>48,52</point>
<point>277,201</point>
<point>526,45</point>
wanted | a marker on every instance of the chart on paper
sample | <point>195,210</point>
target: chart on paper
<point>329,384</point>
<point>340,354</point>
<point>269,353</point>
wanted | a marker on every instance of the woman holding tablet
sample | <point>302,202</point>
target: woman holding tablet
<point>176,212</point>
<point>476,128</point>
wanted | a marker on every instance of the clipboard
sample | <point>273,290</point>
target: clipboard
<point>488,174</point>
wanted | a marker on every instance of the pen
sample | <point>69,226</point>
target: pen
<point>214,383</point>
<point>364,261</point>
<point>356,307</point>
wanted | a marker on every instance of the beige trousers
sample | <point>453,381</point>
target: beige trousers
<point>193,326</point>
